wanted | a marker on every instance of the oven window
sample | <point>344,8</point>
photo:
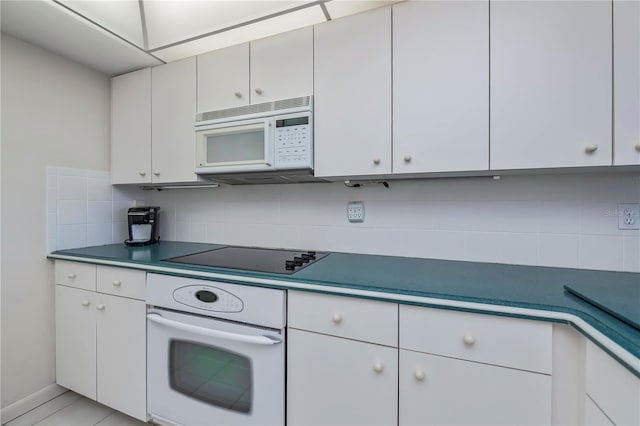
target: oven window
<point>211,374</point>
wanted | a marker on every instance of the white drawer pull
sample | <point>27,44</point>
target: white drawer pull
<point>71,275</point>
<point>238,95</point>
<point>407,158</point>
<point>156,173</point>
<point>590,149</point>
<point>85,303</point>
<point>337,318</point>
<point>100,307</point>
<point>378,367</point>
<point>419,375</point>
<point>116,283</point>
<point>142,173</point>
<point>258,91</point>
<point>376,160</point>
<point>469,340</point>
<point>637,147</point>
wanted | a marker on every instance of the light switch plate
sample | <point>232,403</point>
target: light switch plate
<point>628,216</point>
<point>355,211</point>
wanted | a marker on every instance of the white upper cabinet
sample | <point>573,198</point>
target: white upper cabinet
<point>626,68</point>
<point>352,95</point>
<point>551,97</point>
<point>131,127</point>
<point>265,70</point>
<point>223,78</point>
<point>173,96</point>
<point>440,86</point>
<point>282,66</point>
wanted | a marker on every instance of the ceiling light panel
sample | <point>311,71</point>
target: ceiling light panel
<point>119,16</point>
<point>173,21</point>
<point>340,8</point>
<point>301,18</point>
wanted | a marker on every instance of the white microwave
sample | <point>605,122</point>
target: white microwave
<point>265,137</point>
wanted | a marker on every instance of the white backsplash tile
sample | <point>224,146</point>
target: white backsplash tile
<point>552,220</point>
<point>83,209</point>
<point>72,212</point>
<point>601,252</point>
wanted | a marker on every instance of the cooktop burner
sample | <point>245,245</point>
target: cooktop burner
<point>252,259</point>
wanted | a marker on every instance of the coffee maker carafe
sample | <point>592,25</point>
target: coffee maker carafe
<point>143,226</point>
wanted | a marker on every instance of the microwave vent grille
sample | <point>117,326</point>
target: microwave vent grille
<point>304,101</point>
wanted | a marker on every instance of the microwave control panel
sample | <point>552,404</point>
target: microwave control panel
<point>293,147</point>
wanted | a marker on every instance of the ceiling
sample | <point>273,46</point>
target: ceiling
<point>119,36</point>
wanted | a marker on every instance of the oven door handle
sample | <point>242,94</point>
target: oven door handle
<point>218,334</point>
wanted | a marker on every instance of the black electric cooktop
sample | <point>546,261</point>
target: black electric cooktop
<point>252,259</point>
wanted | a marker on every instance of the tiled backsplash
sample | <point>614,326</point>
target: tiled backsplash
<point>552,220</point>
<point>83,209</point>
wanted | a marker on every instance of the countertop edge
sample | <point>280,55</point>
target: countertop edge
<point>631,361</point>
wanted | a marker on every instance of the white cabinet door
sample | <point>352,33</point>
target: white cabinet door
<point>550,84</point>
<point>76,340</point>
<point>282,66</point>
<point>223,78</point>
<point>437,390</point>
<point>352,78</point>
<point>131,127</point>
<point>121,354</point>
<point>173,95</point>
<point>333,381</point>
<point>626,69</point>
<point>440,86</point>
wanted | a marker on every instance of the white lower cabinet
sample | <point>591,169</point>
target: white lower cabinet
<point>101,343</point>
<point>336,381</point>
<point>437,390</point>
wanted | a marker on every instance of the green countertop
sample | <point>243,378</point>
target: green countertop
<point>528,287</point>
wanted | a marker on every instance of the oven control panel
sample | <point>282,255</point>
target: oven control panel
<point>208,298</point>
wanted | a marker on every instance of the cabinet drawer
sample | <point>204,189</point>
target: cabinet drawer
<point>490,339</point>
<point>121,282</point>
<point>359,319</point>
<point>76,274</point>
<point>614,389</point>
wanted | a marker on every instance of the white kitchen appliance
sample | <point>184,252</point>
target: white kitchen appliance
<point>268,137</point>
<point>215,353</point>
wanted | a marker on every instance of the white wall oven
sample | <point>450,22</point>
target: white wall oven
<point>215,353</point>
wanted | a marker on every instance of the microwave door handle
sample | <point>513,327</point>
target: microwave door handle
<point>269,141</point>
<point>218,334</point>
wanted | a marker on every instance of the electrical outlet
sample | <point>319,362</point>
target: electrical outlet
<point>355,211</point>
<point>628,216</point>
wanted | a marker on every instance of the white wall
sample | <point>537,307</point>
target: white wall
<point>54,112</point>
<point>553,220</point>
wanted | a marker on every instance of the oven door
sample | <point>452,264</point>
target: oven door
<point>203,371</point>
<point>239,146</point>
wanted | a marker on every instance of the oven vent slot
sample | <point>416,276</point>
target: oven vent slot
<point>304,101</point>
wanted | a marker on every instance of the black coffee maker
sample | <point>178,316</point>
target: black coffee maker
<point>143,226</point>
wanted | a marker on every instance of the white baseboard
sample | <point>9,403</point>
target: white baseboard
<point>30,402</point>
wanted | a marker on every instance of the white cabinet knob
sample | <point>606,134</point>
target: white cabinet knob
<point>590,149</point>
<point>407,158</point>
<point>238,95</point>
<point>156,173</point>
<point>337,318</point>
<point>258,91</point>
<point>85,303</point>
<point>142,173</point>
<point>71,275</point>
<point>419,375</point>
<point>637,147</point>
<point>116,283</point>
<point>376,160</point>
<point>468,340</point>
<point>100,307</point>
<point>378,367</point>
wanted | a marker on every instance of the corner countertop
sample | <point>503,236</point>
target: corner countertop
<point>512,290</point>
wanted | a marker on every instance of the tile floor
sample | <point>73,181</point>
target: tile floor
<point>71,409</point>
